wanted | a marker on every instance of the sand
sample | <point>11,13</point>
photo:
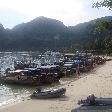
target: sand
<point>98,81</point>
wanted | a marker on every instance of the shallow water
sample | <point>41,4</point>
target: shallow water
<point>11,93</point>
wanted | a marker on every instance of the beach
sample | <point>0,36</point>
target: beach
<point>97,82</point>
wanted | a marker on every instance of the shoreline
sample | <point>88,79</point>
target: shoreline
<point>13,102</point>
<point>98,82</point>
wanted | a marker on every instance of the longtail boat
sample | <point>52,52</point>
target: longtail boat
<point>33,76</point>
<point>94,104</point>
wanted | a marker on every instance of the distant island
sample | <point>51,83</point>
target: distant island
<point>49,34</point>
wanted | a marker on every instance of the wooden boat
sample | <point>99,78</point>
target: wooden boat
<point>92,100</point>
<point>94,104</point>
<point>33,76</point>
<point>54,93</point>
<point>103,108</point>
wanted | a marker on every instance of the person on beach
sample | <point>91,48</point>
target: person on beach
<point>91,99</point>
<point>39,89</point>
<point>78,67</point>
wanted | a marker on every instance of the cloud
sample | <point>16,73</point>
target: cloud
<point>70,12</point>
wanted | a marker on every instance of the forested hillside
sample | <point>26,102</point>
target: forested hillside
<point>49,34</point>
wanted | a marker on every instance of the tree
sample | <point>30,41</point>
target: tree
<point>104,3</point>
<point>101,26</point>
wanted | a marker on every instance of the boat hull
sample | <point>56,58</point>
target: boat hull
<point>26,81</point>
<point>93,109</point>
<point>49,94</point>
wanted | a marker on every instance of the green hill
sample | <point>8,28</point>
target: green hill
<point>44,34</point>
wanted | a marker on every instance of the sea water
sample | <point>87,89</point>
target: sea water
<point>13,93</point>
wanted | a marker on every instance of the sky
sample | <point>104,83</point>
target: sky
<point>70,12</point>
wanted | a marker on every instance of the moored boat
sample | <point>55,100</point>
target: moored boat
<point>33,76</point>
<point>94,101</point>
<point>102,108</point>
<point>94,104</point>
<point>54,93</point>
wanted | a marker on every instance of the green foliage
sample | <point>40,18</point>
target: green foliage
<point>49,34</point>
<point>104,3</point>
<point>104,26</point>
<point>101,26</point>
